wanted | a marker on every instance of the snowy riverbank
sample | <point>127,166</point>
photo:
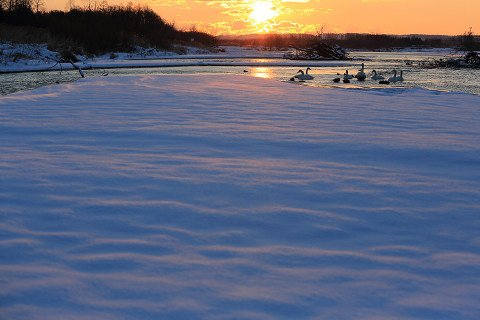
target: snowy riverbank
<point>232,197</point>
<point>36,57</point>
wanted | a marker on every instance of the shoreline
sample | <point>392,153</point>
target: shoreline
<point>116,65</point>
<point>137,60</point>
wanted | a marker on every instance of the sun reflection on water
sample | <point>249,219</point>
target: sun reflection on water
<point>265,73</point>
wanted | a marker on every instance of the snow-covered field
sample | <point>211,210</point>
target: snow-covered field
<point>232,197</point>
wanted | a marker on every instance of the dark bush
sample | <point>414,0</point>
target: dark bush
<point>67,55</point>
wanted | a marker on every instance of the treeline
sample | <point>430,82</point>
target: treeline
<point>353,41</point>
<point>271,41</point>
<point>108,28</point>
<point>382,41</point>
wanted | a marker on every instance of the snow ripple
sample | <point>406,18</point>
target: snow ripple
<point>225,197</point>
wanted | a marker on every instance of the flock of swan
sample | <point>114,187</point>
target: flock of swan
<point>360,76</point>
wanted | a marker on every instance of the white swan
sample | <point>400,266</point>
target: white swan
<point>361,76</point>
<point>304,76</point>
<point>394,78</point>
<point>347,76</point>
<point>376,76</point>
<point>300,75</point>
<point>308,76</point>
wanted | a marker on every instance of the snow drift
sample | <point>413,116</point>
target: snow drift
<point>232,197</point>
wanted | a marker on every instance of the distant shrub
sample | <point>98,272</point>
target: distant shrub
<point>318,50</point>
<point>469,60</point>
<point>468,41</point>
<point>180,50</point>
<point>18,56</point>
<point>473,58</point>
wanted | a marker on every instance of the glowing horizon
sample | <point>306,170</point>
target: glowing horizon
<point>231,17</point>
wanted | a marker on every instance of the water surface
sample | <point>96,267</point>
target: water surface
<point>452,80</point>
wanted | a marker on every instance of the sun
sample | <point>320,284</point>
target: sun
<point>262,11</point>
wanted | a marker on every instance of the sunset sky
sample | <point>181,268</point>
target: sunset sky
<point>260,16</point>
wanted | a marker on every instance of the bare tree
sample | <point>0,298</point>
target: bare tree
<point>38,5</point>
<point>468,41</point>
<point>320,34</point>
<point>70,5</point>
<point>103,5</point>
<point>86,4</point>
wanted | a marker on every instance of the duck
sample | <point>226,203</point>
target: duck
<point>304,75</point>
<point>394,78</point>
<point>346,81</point>
<point>384,82</point>
<point>336,80</point>
<point>347,76</point>
<point>376,76</point>
<point>361,76</point>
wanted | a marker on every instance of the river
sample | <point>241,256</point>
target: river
<point>416,75</point>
